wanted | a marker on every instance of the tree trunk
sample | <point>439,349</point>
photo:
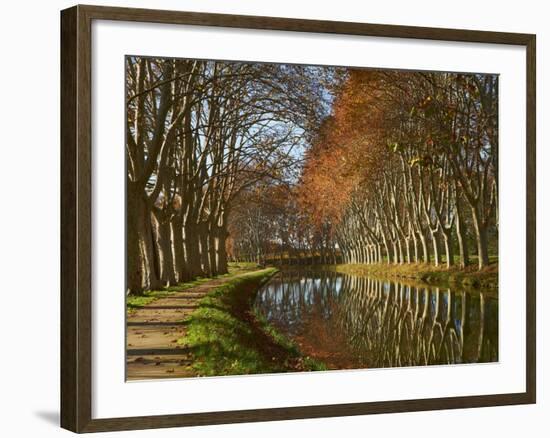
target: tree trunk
<point>222,252</point>
<point>462,240</point>
<point>178,247</point>
<point>134,230</point>
<point>162,232</point>
<point>449,252</point>
<point>202,229</point>
<point>150,254</point>
<point>408,249</point>
<point>481,237</point>
<point>213,249</point>
<point>192,250</point>
<point>425,251</point>
<point>400,246</point>
<point>415,246</point>
<point>435,244</point>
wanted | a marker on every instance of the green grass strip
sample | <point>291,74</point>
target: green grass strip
<point>469,278</point>
<point>226,337</point>
<point>134,302</point>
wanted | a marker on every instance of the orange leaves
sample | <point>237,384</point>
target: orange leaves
<point>324,190</point>
<point>347,150</point>
<point>426,103</point>
<point>378,119</point>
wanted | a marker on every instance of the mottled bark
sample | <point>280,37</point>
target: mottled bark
<point>222,251</point>
<point>464,256</point>
<point>481,238</point>
<point>162,232</point>
<point>134,229</point>
<point>202,229</point>
<point>178,248</point>
<point>192,251</point>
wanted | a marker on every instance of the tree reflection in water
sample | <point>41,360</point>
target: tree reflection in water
<point>374,323</point>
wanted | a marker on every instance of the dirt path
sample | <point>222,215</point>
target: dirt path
<point>152,332</point>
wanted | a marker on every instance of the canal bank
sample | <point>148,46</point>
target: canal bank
<point>225,336</point>
<point>264,320</point>
<point>469,277</point>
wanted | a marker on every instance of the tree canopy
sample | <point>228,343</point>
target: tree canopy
<point>251,161</point>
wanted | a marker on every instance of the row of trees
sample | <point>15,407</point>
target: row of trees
<point>406,168</point>
<point>199,135</point>
<point>269,226</point>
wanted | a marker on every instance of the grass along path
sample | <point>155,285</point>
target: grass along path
<point>227,337</point>
<point>207,327</point>
<point>155,321</point>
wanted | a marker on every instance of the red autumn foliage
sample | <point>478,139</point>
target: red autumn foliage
<point>347,151</point>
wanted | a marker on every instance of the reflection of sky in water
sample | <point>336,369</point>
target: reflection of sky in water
<point>385,323</point>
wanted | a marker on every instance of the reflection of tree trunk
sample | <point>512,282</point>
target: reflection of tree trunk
<point>463,322</point>
<point>481,328</point>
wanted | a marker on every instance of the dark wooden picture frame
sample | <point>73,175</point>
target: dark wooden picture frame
<point>76,218</point>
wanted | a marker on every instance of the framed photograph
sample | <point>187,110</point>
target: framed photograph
<point>268,218</point>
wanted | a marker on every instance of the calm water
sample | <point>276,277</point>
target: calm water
<point>357,322</point>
